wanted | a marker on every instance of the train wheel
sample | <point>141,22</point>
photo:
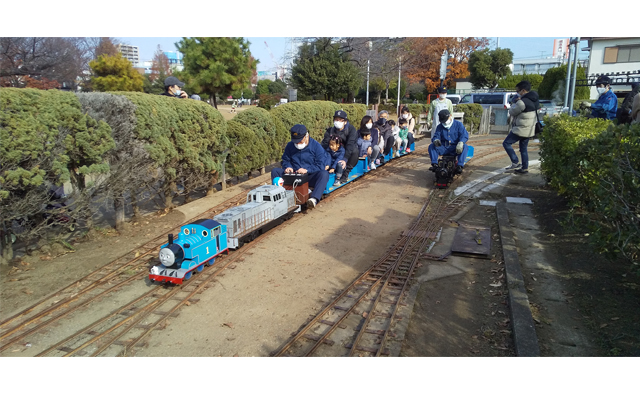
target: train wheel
<point>200,268</point>
<point>211,262</point>
<point>187,276</point>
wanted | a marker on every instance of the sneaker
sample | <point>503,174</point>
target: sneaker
<point>372,166</point>
<point>513,166</point>
<point>377,162</point>
<point>311,203</point>
<point>408,150</point>
<point>344,178</point>
<point>521,171</point>
<point>434,166</point>
<point>459,170</point>
<point>337,182</point>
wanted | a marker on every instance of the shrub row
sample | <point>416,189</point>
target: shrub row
<point>472,116</point>
<point>596,165</point>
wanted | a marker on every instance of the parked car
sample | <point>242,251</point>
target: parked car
<point>455,98</point>
<point>496,100</point>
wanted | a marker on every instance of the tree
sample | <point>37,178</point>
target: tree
<point>423,54</point>
<point>217,65</point>
<point>115,73</point>
<point>553,85</point>
<point>263,86</point>
<point>277,87</point>
<point>106,47</point>
<point>488,66</point>
<point>509,82</point>
<point>322,69</point>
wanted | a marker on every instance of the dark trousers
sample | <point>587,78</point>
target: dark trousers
<point>317,180</point>
<point>410,139</point>
<point>523,142</point>
<point>388,144</point>
<point>352,160</point>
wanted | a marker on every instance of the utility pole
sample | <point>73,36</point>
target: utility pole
<point>399,70</point>
<point>368,62</point>
<point>575,72</point>
<point>566,85</point>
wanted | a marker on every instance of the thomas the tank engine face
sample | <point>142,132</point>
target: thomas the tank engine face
<point>171,254</point>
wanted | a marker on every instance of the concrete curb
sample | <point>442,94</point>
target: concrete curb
<point>524,332</point>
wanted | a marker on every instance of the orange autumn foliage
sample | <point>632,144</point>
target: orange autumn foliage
<point>423,60</point>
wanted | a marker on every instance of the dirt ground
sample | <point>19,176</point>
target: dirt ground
<point>254,308</point>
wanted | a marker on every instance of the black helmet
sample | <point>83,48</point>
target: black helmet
<point>603,80</point>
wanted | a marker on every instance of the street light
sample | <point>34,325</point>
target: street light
<point>368,61</point>
<point>399,70</point>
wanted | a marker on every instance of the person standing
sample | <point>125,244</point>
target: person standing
<point>304,155</point>
<point>606,106</point>
<point>436,106</point>
<point>524,113</point>
<point>624,112</point>
<point>349,136</point>
<point>635,110</point>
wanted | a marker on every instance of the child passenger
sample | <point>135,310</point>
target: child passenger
<point>364,146</point>
<point>404,136</point>
<point>336,158</point>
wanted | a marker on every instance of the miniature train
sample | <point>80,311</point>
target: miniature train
<point>267,206</point>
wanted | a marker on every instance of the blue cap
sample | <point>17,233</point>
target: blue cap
<point>297,133</point>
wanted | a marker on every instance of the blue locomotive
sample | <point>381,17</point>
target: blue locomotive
<point>266,207</point>
<point>198,243</point>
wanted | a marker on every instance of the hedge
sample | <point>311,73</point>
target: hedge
<point>45,139</point>
<point>472,116</point>
<point>317,116</point>
<point>186,138</point>
<point>262,124</point>
<point>248,151</point>
<point>355,113</point>
<point>596,165</point>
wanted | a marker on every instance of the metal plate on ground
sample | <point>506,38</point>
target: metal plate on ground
<point>472,241</point>
<point>519,200</point>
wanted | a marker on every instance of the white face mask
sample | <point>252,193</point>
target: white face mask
<point>301,145</point>
<point>443,96</point>
<point>369,125</point>
<point>338,125</point>
<point>448,123</point>
<point>405,116</point>
<point>601,90</point>
<point>178,92</point>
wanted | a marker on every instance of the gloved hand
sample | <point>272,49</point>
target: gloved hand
<point>585,104</point>
<point>437,143</point>
<point>459,147</point>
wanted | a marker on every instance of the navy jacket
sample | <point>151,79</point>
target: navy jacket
<point>349,136</point>
<point>334,157</point>
<point>312,158</point>
<point>456,133</point>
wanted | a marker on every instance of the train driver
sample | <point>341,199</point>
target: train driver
<point>304,155</point>
<point>449,138</point>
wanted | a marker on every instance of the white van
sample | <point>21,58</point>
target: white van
<point>496,100</point>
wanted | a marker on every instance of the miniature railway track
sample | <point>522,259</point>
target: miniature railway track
<point>125,322</point>
<point>369,305</point>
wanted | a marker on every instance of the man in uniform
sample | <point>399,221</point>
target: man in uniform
<point>450,137</point>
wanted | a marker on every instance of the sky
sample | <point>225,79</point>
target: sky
<point>522,47</point>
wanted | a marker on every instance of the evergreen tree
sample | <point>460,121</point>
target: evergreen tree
<point>216,65</point>
<point>488,66</point>
<point>322,69</point>
<point>115,73</point>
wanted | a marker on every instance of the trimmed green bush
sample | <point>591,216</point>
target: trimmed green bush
<point>355,113</point>
<point>472,116</point>
<point>317,116</point>
<point>261,123</point>
<point>596,165</point>
<point>185,138</point>
<point>247,151</point>
<point>554,81</point>
<point>45,139</point>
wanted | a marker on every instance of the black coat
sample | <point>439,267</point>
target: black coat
<point>348,135</point>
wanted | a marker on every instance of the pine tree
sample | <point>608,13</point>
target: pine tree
<point>115,73</point>
<point>216,65</point>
